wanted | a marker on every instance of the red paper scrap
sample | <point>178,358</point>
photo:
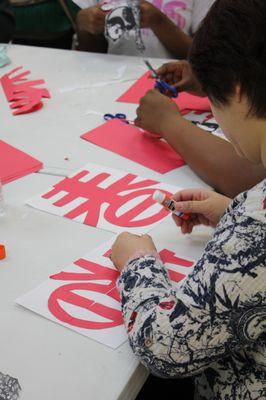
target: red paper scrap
<point>15,164</point>
<point>23,95</point>
<point>130,142</point>
<point>184,100</point>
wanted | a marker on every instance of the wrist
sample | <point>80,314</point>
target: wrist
<point>141,254</point>
<point>171,122</point>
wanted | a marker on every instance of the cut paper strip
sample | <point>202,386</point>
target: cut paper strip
<point>23,95</point>
<point>15,163</point>
<point>106,198</point>
<point>184,100</point>
<point>130,142</point>
<point>83,297</point>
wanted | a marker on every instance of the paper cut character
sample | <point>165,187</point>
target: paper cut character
<point>23,95</point>
<point>85,282</point>
<point>122,19</point>
<point>99,279</point>
<point>116,197</point>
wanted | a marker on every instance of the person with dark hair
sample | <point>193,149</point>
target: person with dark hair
<point>212,327</point>
<point>209,156</point>
<point>7,22</point>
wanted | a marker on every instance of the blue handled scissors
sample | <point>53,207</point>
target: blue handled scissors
<point>122,117</point>
<point>161,85</point>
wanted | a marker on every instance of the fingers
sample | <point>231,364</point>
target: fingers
<point>191,206</point>
<point>167,68</point>
<point>186,226</point>
<point>188,194</point>
<point>137,122</point>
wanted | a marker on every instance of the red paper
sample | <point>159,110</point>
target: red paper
<point>184,100</point>
<point>23,95</point>
<point>130,142</point>
<point>84,296</point>
<point>15,163</point>
<point>70,292</point>
<point>80,282</point>
<point>96,195</point>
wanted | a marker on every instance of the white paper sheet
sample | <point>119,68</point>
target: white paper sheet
<point>106,198</point>
<point>76,298</point>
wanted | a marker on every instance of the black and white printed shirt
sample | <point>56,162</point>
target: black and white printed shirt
<point>213,327</point>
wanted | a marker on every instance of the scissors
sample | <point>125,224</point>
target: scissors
<point>161,85</point>
<point>122,117</point>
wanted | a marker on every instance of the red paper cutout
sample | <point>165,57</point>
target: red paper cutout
<point>66,293</point>
<point>184,100</point>
<point>98,272</point>
<point>130,142</point>
<point>96,196</point>
<point>24,95</point>
<point>15,163</point>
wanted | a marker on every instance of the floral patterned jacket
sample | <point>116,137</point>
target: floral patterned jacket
<point>214,326</point>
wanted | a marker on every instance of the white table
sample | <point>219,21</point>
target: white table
<point>52,362</point>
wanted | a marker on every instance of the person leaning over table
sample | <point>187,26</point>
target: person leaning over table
<point>7,22</point>
<point>213,327</point>
<point>209,156</point>
<point>168,27</point>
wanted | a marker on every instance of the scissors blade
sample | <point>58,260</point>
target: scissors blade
<point>151,69</point>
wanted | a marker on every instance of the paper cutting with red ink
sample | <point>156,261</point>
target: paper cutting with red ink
<point>184,100</point>
<point>106,198</point>
<point>84,298</point>
<point>136,145</point>
<point>24,95</point>
<point>15,164</point>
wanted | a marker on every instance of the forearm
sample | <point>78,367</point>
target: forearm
<point>148,301</point>
<point>90,25</point>
<point>164,325</point>
<point>212,158</point>
<point>172,37</point>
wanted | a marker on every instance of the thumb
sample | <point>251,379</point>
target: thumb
<point>191,206</point>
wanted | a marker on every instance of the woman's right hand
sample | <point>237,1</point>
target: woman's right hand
<point>180,75</point>
<point>205,207</point>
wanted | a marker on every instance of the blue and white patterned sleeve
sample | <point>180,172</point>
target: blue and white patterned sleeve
<point>219,307</point>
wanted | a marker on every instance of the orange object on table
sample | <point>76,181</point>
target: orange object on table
<point>2,252</point>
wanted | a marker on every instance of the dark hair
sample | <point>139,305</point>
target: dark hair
<point>229,49</point>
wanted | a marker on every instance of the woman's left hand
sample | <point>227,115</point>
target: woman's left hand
<point>127,245</point>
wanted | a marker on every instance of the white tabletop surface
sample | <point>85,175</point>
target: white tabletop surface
<point>50,361</point>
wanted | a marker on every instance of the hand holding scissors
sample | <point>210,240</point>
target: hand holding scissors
<point>161,85</point>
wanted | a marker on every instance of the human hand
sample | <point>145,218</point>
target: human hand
<point>91,20</point>
<point>153,110</point>
<point>150,16</point>
<point>126,245</point>
<point>204,206</point>
<point>180,75</point>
